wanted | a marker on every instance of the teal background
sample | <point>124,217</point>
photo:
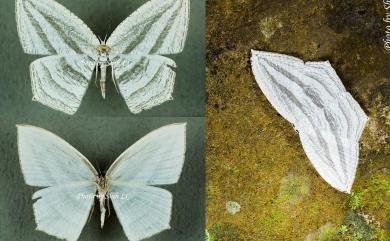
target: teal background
<point>101,129</point>
<point>103,17</point>
<point>102,140</point>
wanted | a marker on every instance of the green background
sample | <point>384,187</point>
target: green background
<point>255,157</point>
<point>102,17</point>
<point>101,129</point>
<point>102,140</point>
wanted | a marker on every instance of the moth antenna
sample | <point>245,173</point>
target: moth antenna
<point>107,168</point>
<point>97,166</point>
<point>105,38</point>
<point>100,40</point>
<point>99,170</point>
<point>108,30</point>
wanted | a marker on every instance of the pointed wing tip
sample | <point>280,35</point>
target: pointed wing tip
<point>178,128</point>
<point>19,126</point>
<point>23,127</point>
<point>42,229</point>
<point>182,128</point>
<point>263,53</point>
<point>345,188</point>
<point>366,118</point>
<point>26,126</point>
<point>260,54</point>
<point>181,124</point>
<point>68,111</point>
<point>271,56</point>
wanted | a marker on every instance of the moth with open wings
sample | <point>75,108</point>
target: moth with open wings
<point>71,182</point>
<point>134,51</point>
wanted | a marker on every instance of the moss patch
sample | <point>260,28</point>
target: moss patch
<point>293,189</point>
<point>250,148</point>
<point>269,25</point>
<point>327,232</point>
<point>225,232</point>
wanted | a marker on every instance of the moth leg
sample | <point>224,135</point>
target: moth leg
<point>96,73</point>
<point>108,206</point>
<point>91,212</point>
<point>113,77</point>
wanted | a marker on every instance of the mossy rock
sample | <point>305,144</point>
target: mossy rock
<point>293,189</point>
<point>225,232</point>
<point>357,228</point>
<point>327,232</point>
<point>373,197</point>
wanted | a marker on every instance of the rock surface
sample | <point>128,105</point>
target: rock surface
<point>250,148</point>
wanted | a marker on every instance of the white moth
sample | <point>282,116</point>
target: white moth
<point>134,52</point>
<point>328,119</point>
<point>71,182</point>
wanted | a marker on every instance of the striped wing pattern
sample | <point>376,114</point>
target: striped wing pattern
<point>145,81</point>
<point>144,77</point>
<point>157,28</point>
<point>46,27</point>
<point>61,81</point>
<point>312,97</point>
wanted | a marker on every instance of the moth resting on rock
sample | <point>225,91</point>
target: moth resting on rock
<point>328,119</point>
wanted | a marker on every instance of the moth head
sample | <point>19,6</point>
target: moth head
<point>103,49</point>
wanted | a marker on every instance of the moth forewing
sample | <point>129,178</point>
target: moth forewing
<point>72,181</point>
<point>66,177</point>
<point>43,29</point>
<point>312,97</point>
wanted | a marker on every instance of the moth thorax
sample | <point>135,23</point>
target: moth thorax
<point>102,184</point>
<point>103,49</point>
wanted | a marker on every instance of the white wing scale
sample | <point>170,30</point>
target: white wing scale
<point>62,211</point>
<point>46,27</point>
<point>312,97</point>
<point>156,159</point>
<point>144,78</point>
<point>61,81</point>
<point>158,27</point>
<point>48,161</point>
<point>145,81</point>
<point>144,211</point>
